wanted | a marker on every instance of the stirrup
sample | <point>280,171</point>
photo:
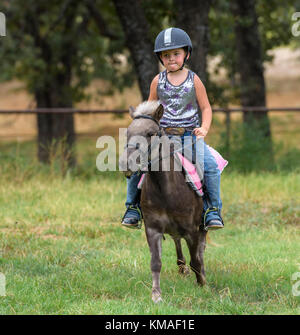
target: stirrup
<point>139,223</point>
<point>214,224</point>
<point>211,209</point>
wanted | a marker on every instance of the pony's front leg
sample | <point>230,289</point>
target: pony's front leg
<point>154,239</point>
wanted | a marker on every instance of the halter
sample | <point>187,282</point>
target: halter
<point>159,134</point>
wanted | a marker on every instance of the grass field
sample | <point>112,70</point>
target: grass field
<point>63,250</point>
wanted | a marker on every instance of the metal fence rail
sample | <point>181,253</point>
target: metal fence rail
<point>124,111</point>
<point>226,111</point>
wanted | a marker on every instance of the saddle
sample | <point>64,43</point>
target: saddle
<point>191,175</point>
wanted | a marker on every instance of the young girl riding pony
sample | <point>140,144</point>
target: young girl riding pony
<point>182,93</point>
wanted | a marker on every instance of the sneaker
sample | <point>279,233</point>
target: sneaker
<point>214,224</point>
<point>132,218</point>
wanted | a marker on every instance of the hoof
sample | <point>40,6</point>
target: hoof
<point>201,281</point>
<point>156,297</point>
<point>184,270</point>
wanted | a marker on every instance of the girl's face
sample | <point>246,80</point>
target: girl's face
<point>173,59</point>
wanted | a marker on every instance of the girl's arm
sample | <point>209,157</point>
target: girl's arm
<point>153,89</point>
<point>204,106</point>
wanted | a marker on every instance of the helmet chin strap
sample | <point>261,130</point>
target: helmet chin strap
<point>181,65</point>
<point>175,70</point>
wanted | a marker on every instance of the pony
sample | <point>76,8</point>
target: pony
<point>168,204</point>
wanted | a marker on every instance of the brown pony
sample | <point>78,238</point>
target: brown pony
<point>169,205</point>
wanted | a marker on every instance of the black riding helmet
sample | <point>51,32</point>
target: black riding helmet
<point>172,38</point>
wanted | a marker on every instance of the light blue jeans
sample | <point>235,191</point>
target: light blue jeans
<point>211,177</point>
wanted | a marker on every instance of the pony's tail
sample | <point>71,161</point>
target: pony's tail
<point>210,242</point>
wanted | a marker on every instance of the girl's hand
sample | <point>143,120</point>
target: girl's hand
<point>200,132</point>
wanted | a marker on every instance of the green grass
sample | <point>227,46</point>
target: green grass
<point>63,250</point>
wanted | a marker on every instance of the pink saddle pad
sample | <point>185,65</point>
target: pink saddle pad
<point>191,173</point>
<point>140,184</point>
<point>219,159</point>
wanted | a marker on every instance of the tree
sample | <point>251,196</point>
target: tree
<point>42,51</point>
<point>192,16</point>
<point>250,61</point>
<point>56,50</point>
<point>136,30</point>
<point>257,128</point>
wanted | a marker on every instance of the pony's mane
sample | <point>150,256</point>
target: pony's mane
<point>146,108</point>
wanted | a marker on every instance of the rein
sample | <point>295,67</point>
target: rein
<point>148,117</point>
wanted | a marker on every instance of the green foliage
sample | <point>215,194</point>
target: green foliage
<point>289,160</point>
<point>274,19</point>
<point>159,15</point>
<point>275,23</point>
<point>249,151</point>
<point>48,42</point>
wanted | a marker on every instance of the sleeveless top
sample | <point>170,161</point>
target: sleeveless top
<point>180,102</point>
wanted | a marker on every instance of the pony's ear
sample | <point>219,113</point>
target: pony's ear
<point>131,111</point>
<point>158,112</point>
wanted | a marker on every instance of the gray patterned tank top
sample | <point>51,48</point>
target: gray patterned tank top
<point>180,102</point>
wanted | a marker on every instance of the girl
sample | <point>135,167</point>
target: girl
<point>181,92</point>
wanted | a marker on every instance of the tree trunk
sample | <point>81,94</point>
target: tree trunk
<point>192,17</point>
<point>55,130</point>
<point>136,31</point>
<point>250,63</point>
<point>54,91</point>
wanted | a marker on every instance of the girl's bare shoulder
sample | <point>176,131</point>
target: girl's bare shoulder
<point>155,79</point>
<point>197,79</point>
<point>153,87</point>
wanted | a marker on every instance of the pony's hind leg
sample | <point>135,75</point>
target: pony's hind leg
<point>183,269</point>
<point>154,241</point>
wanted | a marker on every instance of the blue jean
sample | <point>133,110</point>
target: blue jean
<point>133,193</point>
<point>212,178</point>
